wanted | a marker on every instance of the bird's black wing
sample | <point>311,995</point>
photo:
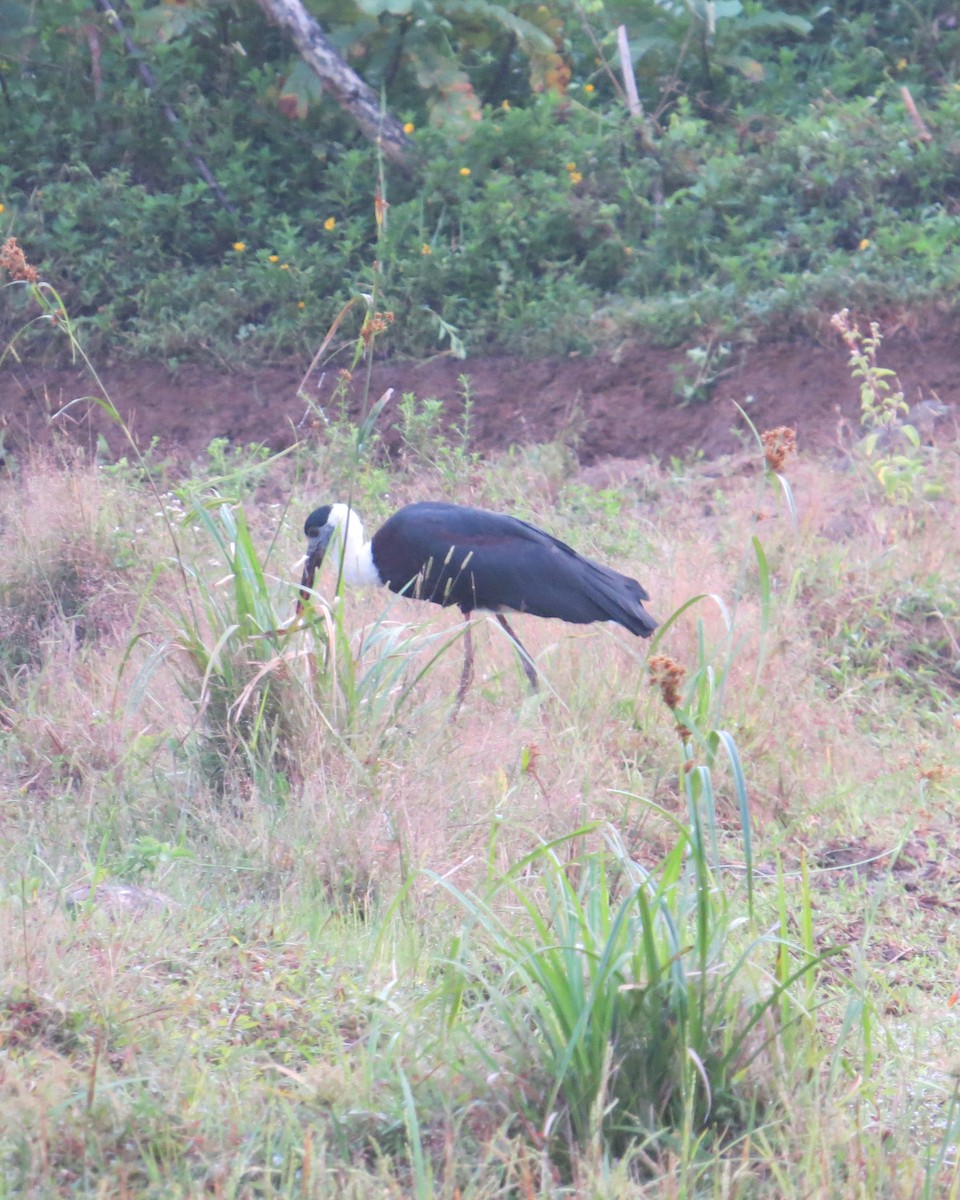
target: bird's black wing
<point>475,559</point>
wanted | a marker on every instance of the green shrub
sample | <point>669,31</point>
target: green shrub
<point>782,172</point>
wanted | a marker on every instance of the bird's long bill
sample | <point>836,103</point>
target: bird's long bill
<point>316,549</point>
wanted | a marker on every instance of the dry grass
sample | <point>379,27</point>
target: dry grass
<point>247,1042</point>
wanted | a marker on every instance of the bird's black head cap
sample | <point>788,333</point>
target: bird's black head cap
<point>316,521</point>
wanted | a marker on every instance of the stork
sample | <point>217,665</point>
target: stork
<point>480,561</point>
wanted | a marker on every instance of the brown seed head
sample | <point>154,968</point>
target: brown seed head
<point>14,262</point>
<point>778,445</point>
<point>668,676</point>
<point>375,325</point>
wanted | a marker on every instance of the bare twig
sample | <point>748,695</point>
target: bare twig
<point>588,29</point>
<point>343,83</point>
<point>629,79</point>
<point>923,133</point>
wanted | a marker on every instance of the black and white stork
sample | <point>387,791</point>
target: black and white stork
<point>479,561</point>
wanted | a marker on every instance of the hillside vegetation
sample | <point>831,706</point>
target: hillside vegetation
<point>784,162</point>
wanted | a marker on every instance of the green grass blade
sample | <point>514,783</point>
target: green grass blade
<point>763,571</point>
<point>743,806</point>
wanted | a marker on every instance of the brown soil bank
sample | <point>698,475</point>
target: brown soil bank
<point>621,405</point>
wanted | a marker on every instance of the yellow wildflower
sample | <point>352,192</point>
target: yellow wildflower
<point>301,304</point>
<point>284,266</point>
<point>274,257</point>
<point>864,244</point>
<point>425,249</point>
<point>588,88</point>
<point>464,171</point>
<point>3,208</point>
<point>576,177</point>
<point>571,166</point>
<point>505,105</point>
<point>901,64</point>
<point>409,127</point>
<point>330,223</point>
<point>239,247</point>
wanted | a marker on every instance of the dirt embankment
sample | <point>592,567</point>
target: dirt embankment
<point>622,405</point>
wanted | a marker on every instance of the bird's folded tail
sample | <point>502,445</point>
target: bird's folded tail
<point>622,599</point>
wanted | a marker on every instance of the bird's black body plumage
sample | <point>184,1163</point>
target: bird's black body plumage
<point>452,555</point>
<point>477,560</point>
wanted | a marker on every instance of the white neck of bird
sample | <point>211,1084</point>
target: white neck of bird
<point>348,541</point>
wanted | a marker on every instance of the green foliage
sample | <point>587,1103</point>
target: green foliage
<point>148,857</point>
<point>431,441</point>
<point>228,659</point>
<point>694,380</point>
<point>892,446</point>
<point>774,171</point>
<point>446,59</point>
<point>646,999</point>
<point>704,45</point>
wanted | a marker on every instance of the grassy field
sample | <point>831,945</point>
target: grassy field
<point>688,931</point>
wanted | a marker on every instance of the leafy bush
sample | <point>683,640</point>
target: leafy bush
<point>777,169</point>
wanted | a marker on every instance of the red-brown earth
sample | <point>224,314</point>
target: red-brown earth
<point>620,404</point>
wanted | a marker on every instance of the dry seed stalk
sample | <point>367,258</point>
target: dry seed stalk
<point>375,325</point>
<point>668,675</point>
<point>14,262</point>
<point>779,445</point>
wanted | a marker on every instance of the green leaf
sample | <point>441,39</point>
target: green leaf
<point>376,8</point>
<point>457,107</point>
<point>764,573</point>
<point>167,22</point>
<point>775,22</point>
<point>749,68</point>
<point>301,88</point>
<point>724,9</point>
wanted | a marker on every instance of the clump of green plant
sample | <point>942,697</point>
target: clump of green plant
<point>657,1010</point>
<point>431,440</point>
<point>228,658</point>
<point>892,446</point>
<point>694,380</point>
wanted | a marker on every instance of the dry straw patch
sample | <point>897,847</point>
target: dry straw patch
<point>58,557</point>
<point>286,878</point>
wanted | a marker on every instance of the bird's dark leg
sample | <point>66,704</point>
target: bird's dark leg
<point>467,675</point>
<point>528,668</point>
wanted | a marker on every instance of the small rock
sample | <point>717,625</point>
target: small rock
<point>118,898</point>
